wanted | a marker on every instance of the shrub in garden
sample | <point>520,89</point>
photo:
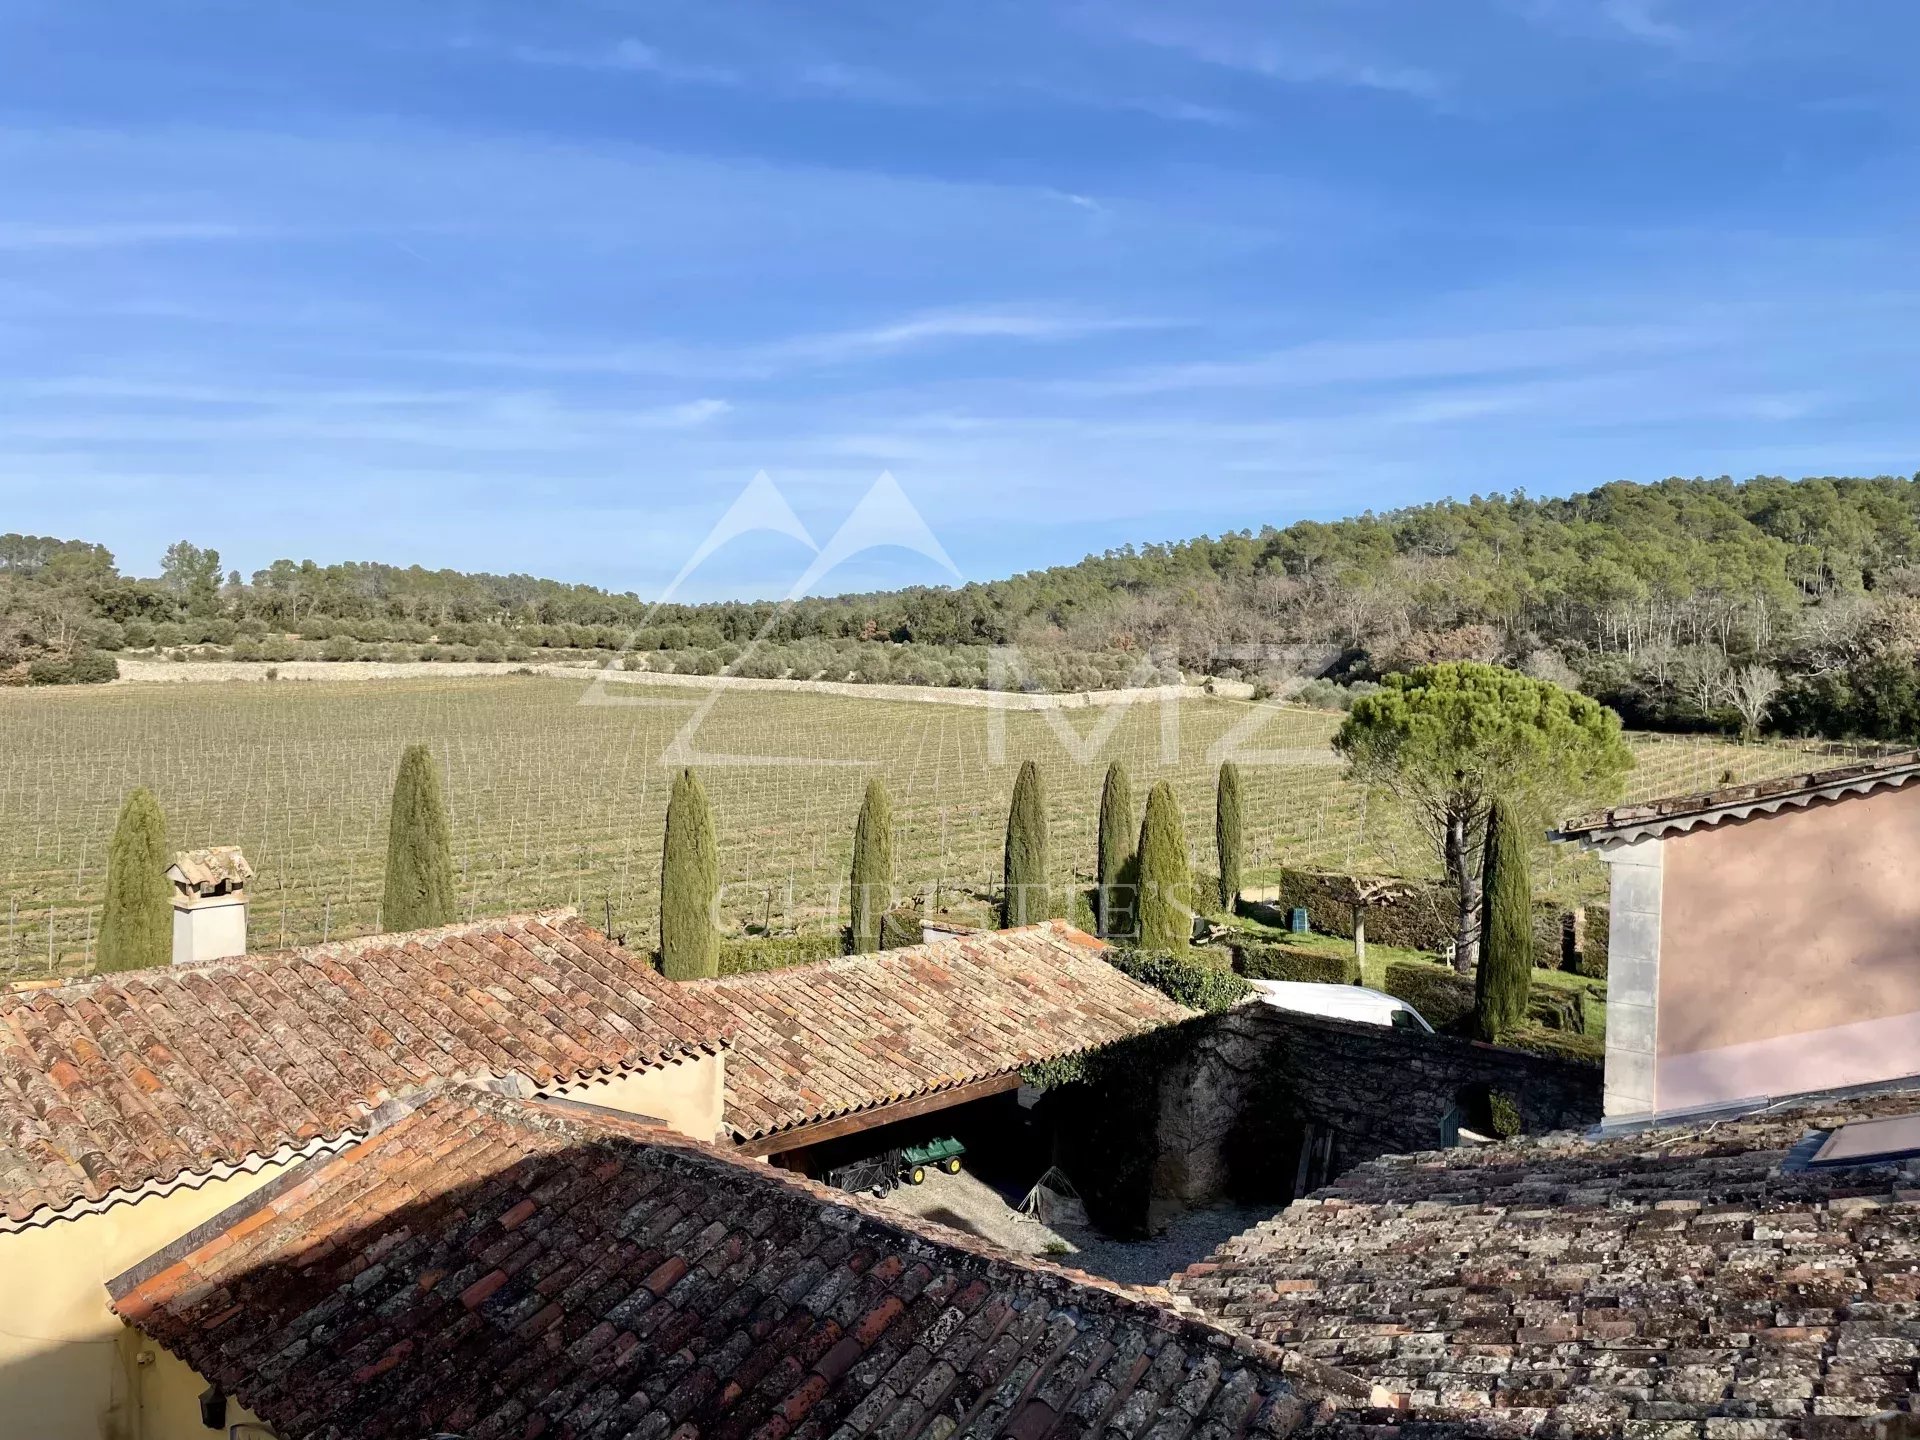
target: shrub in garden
<point>1562,1010</point>
<point>1506,953</point>
<point>900,927</point>
<point>1023,899</point>
<point>1445,999</point>
<point>1559,1045</point>
<point>419,886</point>
<point>776,952</point>
<point>1181,978</point>
<point>1226,832</point>
<point>872,880</point>
<point>689,884</point>
<point>1283,962</point>
<point>136,925</point>
<point>1165,902</point>
<point>1114,862</point>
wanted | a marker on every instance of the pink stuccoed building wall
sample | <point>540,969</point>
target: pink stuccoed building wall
<point>1790,952</point>
<point>1763,950</point>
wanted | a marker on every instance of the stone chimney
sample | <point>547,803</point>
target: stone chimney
<point>209,903</point>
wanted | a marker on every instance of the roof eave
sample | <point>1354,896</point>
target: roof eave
<point>1594,833</point>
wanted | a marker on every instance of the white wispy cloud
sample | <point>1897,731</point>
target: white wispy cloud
<point>1647,22</point>
<point>767,358</point>
<point>939,326</point>
<point>115,234</point>
<point>1349,362</point>
<point>1644,20</point>
<point>1292,60</point>
<point>630,55</point>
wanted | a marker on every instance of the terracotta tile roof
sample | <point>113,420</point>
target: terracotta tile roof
<point>490,1267</point>
<point>139,1078</point>
<point>1737,802</point>
<point>1671,1283</point>
<point>836,1036</point>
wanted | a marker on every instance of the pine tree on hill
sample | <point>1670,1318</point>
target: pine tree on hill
<point>689,884</point>
<point>1025,900</point>
<point>1166,877</point>
<point>136,927</point>
<point>1115,860</point>
<point>1506,952</point>
<point>1226,833</point>
<point>872,881</point>
<point>419,893</point>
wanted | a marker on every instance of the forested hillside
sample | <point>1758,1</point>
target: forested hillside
<point>1791,605</point>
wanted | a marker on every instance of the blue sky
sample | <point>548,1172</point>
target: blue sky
<point>542,288</point>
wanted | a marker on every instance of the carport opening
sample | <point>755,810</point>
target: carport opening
<point>1005,1145</point>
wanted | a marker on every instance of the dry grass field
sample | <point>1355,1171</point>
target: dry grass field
<point>557,802</point>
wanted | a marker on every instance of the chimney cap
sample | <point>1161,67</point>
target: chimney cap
<point>212,871</point>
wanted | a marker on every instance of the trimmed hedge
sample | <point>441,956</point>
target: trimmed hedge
<point>1444,999</point>
<point>1593,954</point>
<point>777,952</point>
<point>1559,1045</point>
<point>1283,962</point>
<point>1422,920</point>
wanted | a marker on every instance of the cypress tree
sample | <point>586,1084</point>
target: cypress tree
<point>136,927</point>
<point>1024,899</point>
<point>1506,950</point>
<point>1226,833</point>
<point>689,884</point>
<point>419,890</point>
<point>872,868</point>
<point>1117,836</point>
<point>1166,879</point>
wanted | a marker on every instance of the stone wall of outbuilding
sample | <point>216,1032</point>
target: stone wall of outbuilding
<point>1308,1098</point>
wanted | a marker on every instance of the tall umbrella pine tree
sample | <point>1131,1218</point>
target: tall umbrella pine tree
<point>1226,833</point>
<point>1114,868</point>
<point>1166,877</point>
<point>1024,899</point>
<point>419,892</point>
<point>872,879</point>
<point>136,927</point>
<point>1506,953</point>
<point>689,884</point>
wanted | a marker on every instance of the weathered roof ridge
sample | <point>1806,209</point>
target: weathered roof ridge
<point>843,1035</point>
<point>440,1244</point>
<point>121,1084</point>
<point>351,947</point>
<point>1679,813</point>
<point>1650,1281</point>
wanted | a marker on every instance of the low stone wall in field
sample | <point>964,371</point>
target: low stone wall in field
<point>149,672</point>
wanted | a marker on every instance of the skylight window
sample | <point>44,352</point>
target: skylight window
<point>1870,1142</point>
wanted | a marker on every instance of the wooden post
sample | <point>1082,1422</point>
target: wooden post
<point>1360,933</point>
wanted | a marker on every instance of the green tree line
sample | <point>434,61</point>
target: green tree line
<point>1702,603</point>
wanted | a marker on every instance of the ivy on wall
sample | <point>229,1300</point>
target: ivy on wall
<point>1104,1102</point>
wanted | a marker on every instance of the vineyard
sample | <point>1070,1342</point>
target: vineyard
<point>557,802</point>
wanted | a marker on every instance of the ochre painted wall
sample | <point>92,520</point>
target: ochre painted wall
<point>1790,952</point>
<point>68,1366</point>
<point>687,1094</point>
<point>69,1370</point>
